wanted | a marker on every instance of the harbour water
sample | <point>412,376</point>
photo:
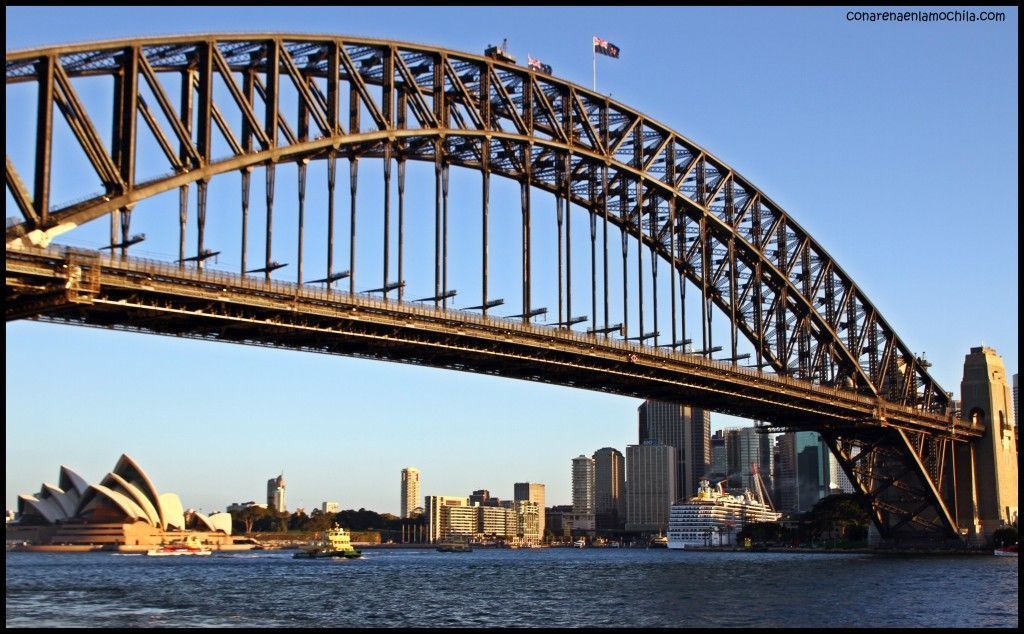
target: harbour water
<point>512,588</point>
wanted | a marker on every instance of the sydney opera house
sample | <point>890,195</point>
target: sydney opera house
<point>123,512</point>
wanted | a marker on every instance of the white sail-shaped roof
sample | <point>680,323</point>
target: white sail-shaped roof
<point>221,522</point>
<point>67,506</point>
<point>133,473</point>
<point>118,483</point>
<point>173,514</point>
<point>48,509</point>
<point>72,482</point>
<point>213,523</point>
<point>97,494</point>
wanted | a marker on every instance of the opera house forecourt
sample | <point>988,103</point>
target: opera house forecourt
<point>123,512</point>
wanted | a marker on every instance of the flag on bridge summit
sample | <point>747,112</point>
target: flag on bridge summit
<point>537,65</point>
<point>605,47</point>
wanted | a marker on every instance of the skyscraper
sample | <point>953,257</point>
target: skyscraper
<point>785,473</point>
<point>650,486</point>
<point>583,477</point>
<point>688,429</point>
<point>609,488</point>
<point>275,494</point>
<point>531,492</point>
<point>410,489</point>
<point>746,448</point>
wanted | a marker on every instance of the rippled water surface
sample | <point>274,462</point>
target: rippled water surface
<point>542,587</point>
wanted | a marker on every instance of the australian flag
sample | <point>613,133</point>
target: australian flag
<point>605,47</point>
<point>537,65</point>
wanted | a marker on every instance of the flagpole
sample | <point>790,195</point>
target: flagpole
<point>595,64</point>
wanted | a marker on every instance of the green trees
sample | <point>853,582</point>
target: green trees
<point>839,516</point>
<point>762,533</point>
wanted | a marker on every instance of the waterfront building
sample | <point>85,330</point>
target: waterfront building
<point>714,518</point>
<point>330,507</point>
<point>688,430</point>
<point>275,494</point>
<point>124,511</point>
<point>609,488</point>
<point>583,481</point>
<point>650,486</point>
<point>438,510</point>
<point>528,522</point>
<point>496,522</point>
<point>532,492</point>
<point>410,490</point>
<point>558,521</point>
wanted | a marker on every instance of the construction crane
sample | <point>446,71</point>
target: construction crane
<point>500,53</point>
<point>760,490</point>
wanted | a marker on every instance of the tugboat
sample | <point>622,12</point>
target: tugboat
<point>336,542</point>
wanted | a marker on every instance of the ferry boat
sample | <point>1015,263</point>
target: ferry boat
<point>335,542</point>
<point>713,517</point>
<point>580,543</point>
<point>191,546</point>
<point>1006,551</point>
<point>660,541</point>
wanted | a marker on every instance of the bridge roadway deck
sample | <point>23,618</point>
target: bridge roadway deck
<point>156,297</point>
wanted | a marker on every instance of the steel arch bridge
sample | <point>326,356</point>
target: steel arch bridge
<point>824,358</point>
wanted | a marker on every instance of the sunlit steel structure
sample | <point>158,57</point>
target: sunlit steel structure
<point>823,356</point>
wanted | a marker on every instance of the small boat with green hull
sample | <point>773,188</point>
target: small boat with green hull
<point>335,542</point>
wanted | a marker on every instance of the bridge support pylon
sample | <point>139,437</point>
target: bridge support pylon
<point>986,469</point>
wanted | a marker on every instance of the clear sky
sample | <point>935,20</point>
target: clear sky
<point>893,144</point>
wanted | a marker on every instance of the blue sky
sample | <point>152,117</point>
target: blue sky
<point>893,144</point>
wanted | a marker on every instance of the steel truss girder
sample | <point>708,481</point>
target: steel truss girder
<point>887,469</point>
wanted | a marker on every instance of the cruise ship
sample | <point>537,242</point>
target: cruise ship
<point>713,517</point>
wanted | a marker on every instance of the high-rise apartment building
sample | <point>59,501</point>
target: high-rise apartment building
<point>531,492</point>
<point>583,477</point>
<point>330,507</point>
<point>650,486</point>
<point>275,494</point>
<point>688,429</point>
<point>609,488</point>
<point>481,497</point>
<point>410,490</point>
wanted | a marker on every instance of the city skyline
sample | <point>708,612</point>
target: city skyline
<point>867,167</point>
